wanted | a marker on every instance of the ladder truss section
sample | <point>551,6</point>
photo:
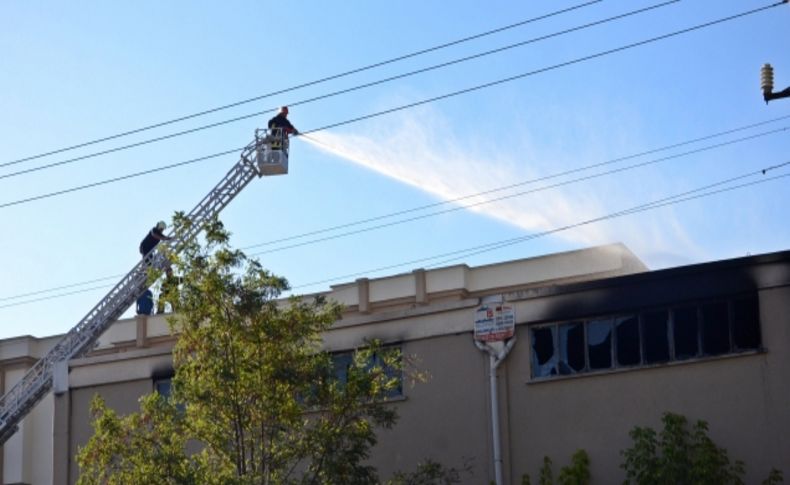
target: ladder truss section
<point>37,382</point>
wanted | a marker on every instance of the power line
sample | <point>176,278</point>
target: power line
<point>671,200</point>
<point>116,179</point>
<point>498,189</point>
<point>553,67</point>
<point>336,93</point>
<point>307,84</point>
<point>73,285</point>
<point>467,252</point>
<point>675,199</point>
<point>519,194</point>
<point>123,147</point>
<point>422,102</point>
<point>52,297</point>
<point>522,183</point>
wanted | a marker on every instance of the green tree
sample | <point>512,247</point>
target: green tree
<point>577,473</point>
<point>546,476</point>
<point>255,400</point>
<point>430,472</point>
<point>157,436</point>
<point>679,455</point>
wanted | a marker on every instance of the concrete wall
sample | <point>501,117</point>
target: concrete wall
<point>121,396</point>
<point>446,418</point>
<point>595,412</point>
<point>744,398</point>
<point>16,453</point>
<point>430,314</point>
<point>32,444</point>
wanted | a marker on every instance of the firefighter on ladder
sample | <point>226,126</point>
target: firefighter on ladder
<point>280,128</point>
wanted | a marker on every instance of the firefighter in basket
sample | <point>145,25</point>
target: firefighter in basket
<point>280,128</point>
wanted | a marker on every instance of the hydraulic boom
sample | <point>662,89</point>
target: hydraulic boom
<point>266,155</point>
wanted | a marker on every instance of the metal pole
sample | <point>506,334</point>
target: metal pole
<point>495,358</point>
<point>492,377</point>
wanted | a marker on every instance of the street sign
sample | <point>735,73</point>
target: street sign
<point>494,322</point>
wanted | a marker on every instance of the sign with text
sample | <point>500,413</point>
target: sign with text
<point>494,322</point>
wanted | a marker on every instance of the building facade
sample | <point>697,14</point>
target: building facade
<point>601,345</point>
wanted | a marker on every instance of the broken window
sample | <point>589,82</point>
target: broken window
<point>715,328</point>
<point>544,359</point>
<point>746,323</point>
<point>599,343</point>
<point>627,338</point>
<point>685,329</point>
<point>571,348</point>
<point>655,336</point>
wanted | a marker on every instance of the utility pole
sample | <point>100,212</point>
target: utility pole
<point>495,334</point>
<point>767,83</point>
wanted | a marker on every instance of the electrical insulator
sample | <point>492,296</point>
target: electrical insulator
<point>767,78</point>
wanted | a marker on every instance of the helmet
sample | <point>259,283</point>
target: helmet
<point>284,110</point>
<point>161,225</point>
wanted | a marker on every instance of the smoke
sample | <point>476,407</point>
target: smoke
<point>426,154</point>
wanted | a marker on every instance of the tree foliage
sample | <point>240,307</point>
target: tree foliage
<point>255,400</point>
<point>576,473</point>
<point>679,455</point>
<point>430,472</point>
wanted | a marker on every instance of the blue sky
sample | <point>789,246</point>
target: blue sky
<point>71,72</point>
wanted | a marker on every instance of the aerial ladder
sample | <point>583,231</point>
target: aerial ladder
<point>266,155</point>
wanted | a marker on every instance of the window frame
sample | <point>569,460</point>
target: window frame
<point>746,299</point>
<point>395,394</point>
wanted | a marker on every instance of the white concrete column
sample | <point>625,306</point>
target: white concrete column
<point>363,289</point>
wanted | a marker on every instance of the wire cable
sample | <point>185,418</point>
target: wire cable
<point>407,211</point>
<point>578,60</point>
<point>519,184</point>
<point>675,199</point>
<point>52,297</point>
<point>307,84</point>
<point>422,102</point>
<point>116,179</point>
<point>335,93</point>
<point>49,290</point>
<point>519,194</point>
<point>671,200</point>
<point>467,252</point>
<point>553,67</point>
<point>122,148</point>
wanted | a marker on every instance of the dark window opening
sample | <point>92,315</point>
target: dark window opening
<point>715,328</point>
<point>343,361</point>
<point>543,359</point>
<point>164,387</point>
<point>746,323</point>
<point>694,330</point>
<point>685,329</point>
<point>627,329</point>
<point>391,373</point>
<point>655,332</point>
<point>599,344</point>
<point>571,348</point>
